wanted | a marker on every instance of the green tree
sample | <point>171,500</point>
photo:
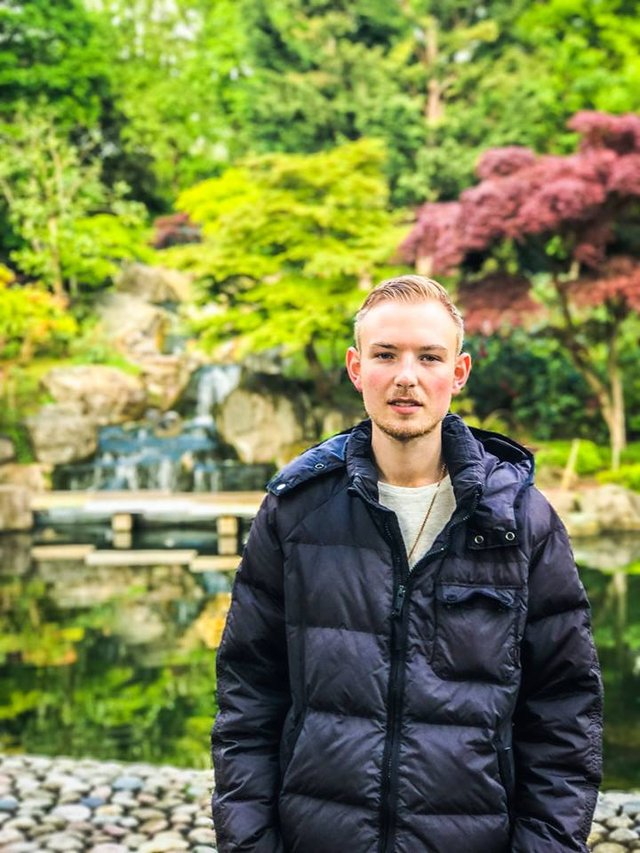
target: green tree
<point>53,52</point>
<point>289,243</point>
<point>175,72</point>
<point>53,191</point>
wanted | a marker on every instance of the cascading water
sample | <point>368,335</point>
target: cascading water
<point>169,452</point>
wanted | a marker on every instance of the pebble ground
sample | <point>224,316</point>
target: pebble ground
<point>63,804</point>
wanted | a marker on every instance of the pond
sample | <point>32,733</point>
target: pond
<point>117,661</point>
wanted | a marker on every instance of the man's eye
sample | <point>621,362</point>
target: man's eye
<point>383,355</point>
<point>430,358</point>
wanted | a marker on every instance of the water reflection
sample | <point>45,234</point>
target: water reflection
<point>117,661</point>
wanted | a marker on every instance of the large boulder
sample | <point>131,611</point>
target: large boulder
<point>615,507</point>
<point>7,450</point>
<point>134,326</point>
<point>598,509</point>
<point>165,378</point>
<point>104,394</point>
<point>15,508</point>
<point>61,433</point>
<point>154,284</point>
<point>31,477</point>
<point>261,427</point>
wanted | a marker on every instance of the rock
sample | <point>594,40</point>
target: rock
<point>72,812</point>
<point>260,428</point>
<point>32,477</point>
<point>109,848</point>
<point>615,507</point>
<point>10,836</point>
<point>154,284</point>
<point>61,433</point>
<point>7,450</point>
<point>631,808</point>
<point>608,847</point>
<point>105,394</point>
<point>619,822</point>
<point>8,804</point>
<point>92,802</point>
<point>623,835</point>
<point>127,783</point>
<point>15,508</point>
<point>202,836</point>
<point>165,377</point>
<point>164,842</point>
<point>63,841</point>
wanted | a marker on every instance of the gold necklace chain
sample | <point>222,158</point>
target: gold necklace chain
<point>443,474</point>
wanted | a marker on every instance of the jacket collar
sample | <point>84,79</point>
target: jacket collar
<point>488,471</point>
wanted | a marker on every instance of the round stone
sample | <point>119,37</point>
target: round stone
<point>604,812</point>
<point>75,811</point>
<point>127,783</point>
<point>202,836</point>
<point>62,842</point>
<point>623,835</point>
<point>109,809</point>
<point>10,836</point>
<point>109,848</point>
<point>619,822</point>
<point>165,842</point>
<point>92,802</point>
<point>8,804</point>
<point>151,827</point>
<point>607,847</point>
<point>114,830</point>
<point>203,849</point>
<point>632,808</point>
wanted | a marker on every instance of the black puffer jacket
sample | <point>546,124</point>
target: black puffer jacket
<point>366,709</point>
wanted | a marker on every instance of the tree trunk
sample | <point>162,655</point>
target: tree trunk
<point>318,373</point>
<point>610,394</point>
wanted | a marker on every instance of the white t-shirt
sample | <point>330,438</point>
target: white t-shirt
<point>410,504</point>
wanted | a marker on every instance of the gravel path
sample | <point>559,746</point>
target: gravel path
<point>64,804</point>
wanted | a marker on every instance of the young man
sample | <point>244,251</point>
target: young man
<point>407,664</point>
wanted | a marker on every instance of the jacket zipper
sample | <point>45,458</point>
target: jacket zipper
<point>399,632</point>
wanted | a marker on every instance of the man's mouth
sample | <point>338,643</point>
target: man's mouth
<point>404,403</point>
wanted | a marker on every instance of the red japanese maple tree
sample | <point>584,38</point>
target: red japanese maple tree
<point>552,239</point>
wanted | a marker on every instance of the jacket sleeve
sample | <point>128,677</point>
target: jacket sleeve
<point>557,731</point>
<point>253,698</point>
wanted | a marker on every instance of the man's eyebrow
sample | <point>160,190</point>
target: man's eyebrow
<point>427,348</point>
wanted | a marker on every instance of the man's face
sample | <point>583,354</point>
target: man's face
<point>407,367</point>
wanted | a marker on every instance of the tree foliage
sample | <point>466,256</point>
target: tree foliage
<point>566,224</point>
<point>71,228</point>
<point>288,240</point>
<point>30,320</point>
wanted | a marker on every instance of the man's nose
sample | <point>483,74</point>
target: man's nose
<point>406,374</point>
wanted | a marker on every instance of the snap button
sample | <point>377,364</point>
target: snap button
<point>319,465</point>
<point>478,539</point>
<point>509,535</point>
<point>281,486</point>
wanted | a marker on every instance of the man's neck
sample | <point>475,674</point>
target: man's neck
<point>412,463</point>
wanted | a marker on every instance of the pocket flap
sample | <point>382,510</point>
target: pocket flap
<point>451,593</point>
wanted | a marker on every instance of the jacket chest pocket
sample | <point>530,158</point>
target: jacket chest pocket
<point>476,634</point>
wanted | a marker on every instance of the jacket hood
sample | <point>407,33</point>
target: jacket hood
<point>488,472</point>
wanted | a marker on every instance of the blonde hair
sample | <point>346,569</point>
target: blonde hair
<point>409,289</point>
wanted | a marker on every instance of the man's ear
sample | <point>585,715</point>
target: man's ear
<point>353,367</point>
<point>461,372</point>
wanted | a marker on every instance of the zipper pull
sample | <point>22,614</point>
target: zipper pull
<point>399,601</point>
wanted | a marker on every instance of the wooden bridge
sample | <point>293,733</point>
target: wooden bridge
<point>126,510</point>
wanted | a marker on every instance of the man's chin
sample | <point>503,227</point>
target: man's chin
<point>405,433</point>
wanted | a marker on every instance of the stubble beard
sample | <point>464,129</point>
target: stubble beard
<point>407,433</point>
